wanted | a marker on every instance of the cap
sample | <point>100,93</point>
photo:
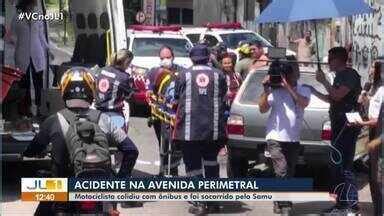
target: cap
<point>245,49</point>
<point>199,52</point>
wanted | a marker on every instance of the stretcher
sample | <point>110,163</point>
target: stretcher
<point>162,109</point>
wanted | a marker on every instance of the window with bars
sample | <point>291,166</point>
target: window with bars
<point>181,16</point>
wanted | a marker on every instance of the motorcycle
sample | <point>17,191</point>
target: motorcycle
<point>81,208</point>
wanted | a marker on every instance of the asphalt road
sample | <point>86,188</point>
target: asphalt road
<point>148,165</point>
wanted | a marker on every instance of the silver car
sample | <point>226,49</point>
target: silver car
<point>246,126</point>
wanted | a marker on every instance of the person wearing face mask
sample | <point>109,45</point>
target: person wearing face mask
<point>166,63</point>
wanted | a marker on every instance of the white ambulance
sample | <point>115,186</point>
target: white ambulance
<point>231,34</point>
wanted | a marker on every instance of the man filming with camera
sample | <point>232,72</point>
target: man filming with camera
<point>287,100</point>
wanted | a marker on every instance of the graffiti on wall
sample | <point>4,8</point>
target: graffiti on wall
<point>368,36</point>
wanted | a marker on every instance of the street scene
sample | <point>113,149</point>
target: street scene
<point>231,89</point>
<point>148,165</point>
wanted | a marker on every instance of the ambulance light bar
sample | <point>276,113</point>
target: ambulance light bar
<point>155,29</point>
<point>234,25</point>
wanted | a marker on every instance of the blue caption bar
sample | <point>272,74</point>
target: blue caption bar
<point>187,184</point>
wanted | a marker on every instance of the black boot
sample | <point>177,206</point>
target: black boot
<point>127,164</point>
<point>129,161</point>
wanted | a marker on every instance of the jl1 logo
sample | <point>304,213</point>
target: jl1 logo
<point>46,185</point>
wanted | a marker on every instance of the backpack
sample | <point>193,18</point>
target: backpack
<point>86,143</point>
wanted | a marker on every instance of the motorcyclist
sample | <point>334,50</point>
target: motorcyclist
<point>77,88</point>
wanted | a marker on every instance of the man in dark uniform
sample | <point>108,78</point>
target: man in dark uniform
<point>162,130</point>
<point>200,121</point>
<point>342,96</point>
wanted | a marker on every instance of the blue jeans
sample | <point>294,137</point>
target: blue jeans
<point>118,120</point>
<point>128,147</point>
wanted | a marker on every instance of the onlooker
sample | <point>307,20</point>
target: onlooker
<point>233,82</point>
<point>304,47</point>
<point>233,79</point>
<point>216,54</point>
<point>30,52</point>
<point>376,146</point>
<point>343,98</point>
<point>245,60</point>
<point>375,100</point>
<point>371,96</point>
<point>287,103</point>
<point>259,59</point>
<point>243,50</point>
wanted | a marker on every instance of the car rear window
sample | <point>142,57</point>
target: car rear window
<point>151,46</point>
<point>232,39</point>
<point>194,38</point>
<point>253,88</point>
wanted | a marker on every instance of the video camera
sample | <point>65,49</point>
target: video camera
<point>278,67</point>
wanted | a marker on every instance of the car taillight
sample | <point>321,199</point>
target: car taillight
<point>235,125</point>
<point>326,133</point>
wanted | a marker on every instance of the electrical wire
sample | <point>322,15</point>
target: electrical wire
<point>339,157</point>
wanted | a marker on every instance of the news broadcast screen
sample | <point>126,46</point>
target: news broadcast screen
<point>193,107</point>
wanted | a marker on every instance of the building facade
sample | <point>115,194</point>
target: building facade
<point>363,32</point>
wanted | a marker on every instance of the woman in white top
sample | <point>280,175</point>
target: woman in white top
<point>375,100</point>
<point>31,47</point>
<point>374,97</point>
